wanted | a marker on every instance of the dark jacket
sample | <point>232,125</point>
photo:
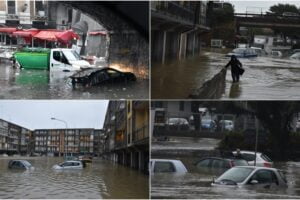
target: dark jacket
<point>235,65</point>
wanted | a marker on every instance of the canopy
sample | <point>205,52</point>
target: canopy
<point>26,33</point>
<point>98,33</point>
<point>7,30</point>
<point>66,36</point>
<point>48,35</point>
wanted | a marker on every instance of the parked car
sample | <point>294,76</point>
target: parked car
<point>262,160</point>
<point>226,125</point>
<point>96,76</point>
<point>276,54</point>
<point>217,165</point>
<point>71,164</point>
<point>167,166</point>
<point>208,124</point>
<point>259,51</point>
<point>243,53</point>
<point>295,56</point>
<point>19,164</point>
<point>178,123</point>
<point>251,176</point>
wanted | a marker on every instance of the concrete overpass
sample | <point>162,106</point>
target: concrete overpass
<point>128,25</point>
<point>266,21</point>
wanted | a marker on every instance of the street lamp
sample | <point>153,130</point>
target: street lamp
<point>60,120</point>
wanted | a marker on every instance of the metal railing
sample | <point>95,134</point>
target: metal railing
<point>140,134</point>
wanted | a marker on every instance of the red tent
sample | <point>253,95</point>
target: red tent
<point>98,33</point>
<point>26,33</point>
<point>7,30</point>
<point>66,36</point>
<point>48,35</point>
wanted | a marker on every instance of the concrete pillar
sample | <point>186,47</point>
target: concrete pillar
<point>131,159</point>
<point>141,160</point>
<point>164,47</point>
<point>124,158</point>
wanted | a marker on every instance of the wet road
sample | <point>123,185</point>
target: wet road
<point>101,179</point>
<point>264,78</point>
<point>40,84</point>
<point>196,185</point>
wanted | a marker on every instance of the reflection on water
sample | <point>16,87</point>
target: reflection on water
<point>101,179</point>
<point>40,84</point>
<point>264,77</point>
<point>196,185</point>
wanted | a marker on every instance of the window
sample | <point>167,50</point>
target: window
<point>164,167</point>
<point>264,176</point>
<point>203,163</point>
<point>248,157</point>
<point>11,7</point>
<point>181,105</point>
<point>57,56</point>
<point>113,73</point>
<point>217,164</point>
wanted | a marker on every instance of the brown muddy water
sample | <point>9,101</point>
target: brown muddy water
<point>41,84</point>
<point>101,179</point>
<point>197,184</point>
<point>264,77</point>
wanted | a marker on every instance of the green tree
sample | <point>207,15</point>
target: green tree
<point>279,9</point>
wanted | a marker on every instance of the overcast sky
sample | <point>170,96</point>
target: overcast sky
<point>36,114</point>
<point>257,6</point>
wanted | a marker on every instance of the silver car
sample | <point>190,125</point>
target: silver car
<point>262,160</point>
<point>250,176</point>
<point>167,166</point>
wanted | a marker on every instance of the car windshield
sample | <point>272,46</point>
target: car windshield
<point>266,158</point>
<point>26,163</point>
<point>71,55</point>
<point>238,50</point>
<point>237,174</point>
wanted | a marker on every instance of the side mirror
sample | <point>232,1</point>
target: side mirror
<point>253,182</point>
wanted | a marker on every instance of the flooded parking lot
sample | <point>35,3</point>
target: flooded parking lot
<point>41,84</point>
<point>195,185</point>
<point>264,77</point>
<point>101,179</point>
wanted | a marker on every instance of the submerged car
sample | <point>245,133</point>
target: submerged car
<point>243,53</point>
<point>69,165</point>
<point>295,56</point>
<point>97,76</point>
<point>167,166</point>
<point>262,160</point>
<point>217,165</point>
<point>251,176</point>
<point>208,124</point>
<point>19,164</point>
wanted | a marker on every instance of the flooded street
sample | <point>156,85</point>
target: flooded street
<point>264,77</point>
<point>101,179</point>
<point>195,185</point>
<point>41,84</point>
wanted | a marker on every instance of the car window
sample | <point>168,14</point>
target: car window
<point>265,176</point>
<point>203,163</point>
<point>113,73</point>
<point>217,164</point>
<point>237,174</point>
<point>164,167</point>
<point>101,76</point>
<point>282,176</point>
<point>248,157</point>
<point>266,158</point>
<point>240,163</point>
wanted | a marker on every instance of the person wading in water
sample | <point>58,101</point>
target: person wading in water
<point>236,68</point>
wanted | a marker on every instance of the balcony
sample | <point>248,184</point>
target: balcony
<point>140,134</point>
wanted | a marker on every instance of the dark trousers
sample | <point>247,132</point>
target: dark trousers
<point>235,76</point>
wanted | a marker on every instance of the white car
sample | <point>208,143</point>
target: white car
<point>226,125</point>
<point>167,166</point>
<point>276,54</point>
<point>69,165</point>
<point>295,56</point>
<point>250,176</point>
<point>262,160</point>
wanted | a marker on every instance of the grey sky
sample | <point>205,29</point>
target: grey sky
<point>257,6</point>
<point>36,114</point>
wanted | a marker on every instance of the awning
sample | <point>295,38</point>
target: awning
<point>26,33</point>
<point>66,36</point>
<point>7,30</point>
<point>48,35</point>
<point>98,33</point>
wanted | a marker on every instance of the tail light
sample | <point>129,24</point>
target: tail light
<point>267,165</point>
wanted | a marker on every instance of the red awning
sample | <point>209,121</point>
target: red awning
<point>98,33</point>
<point>7,30</point>
<point>66,36</point>
<point>26,33</point>
<point>47,35</point>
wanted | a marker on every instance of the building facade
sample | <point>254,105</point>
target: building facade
<point>176,29</point>
<point>126,130</point>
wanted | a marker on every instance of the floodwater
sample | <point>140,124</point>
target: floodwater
<point>264,77</point>
<point>101,179</point>
<point>41,84</point>
<point>196,185</point>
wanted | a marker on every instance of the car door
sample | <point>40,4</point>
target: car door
<point>204,166</point>
<point>263,179</point>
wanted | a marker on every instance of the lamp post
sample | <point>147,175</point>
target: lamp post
<point>66,124</point>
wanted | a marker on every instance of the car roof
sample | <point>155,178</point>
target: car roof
<point>220,158</point>
<point>250,152</point>
<point>256,167</point>
<point>166,160</point>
